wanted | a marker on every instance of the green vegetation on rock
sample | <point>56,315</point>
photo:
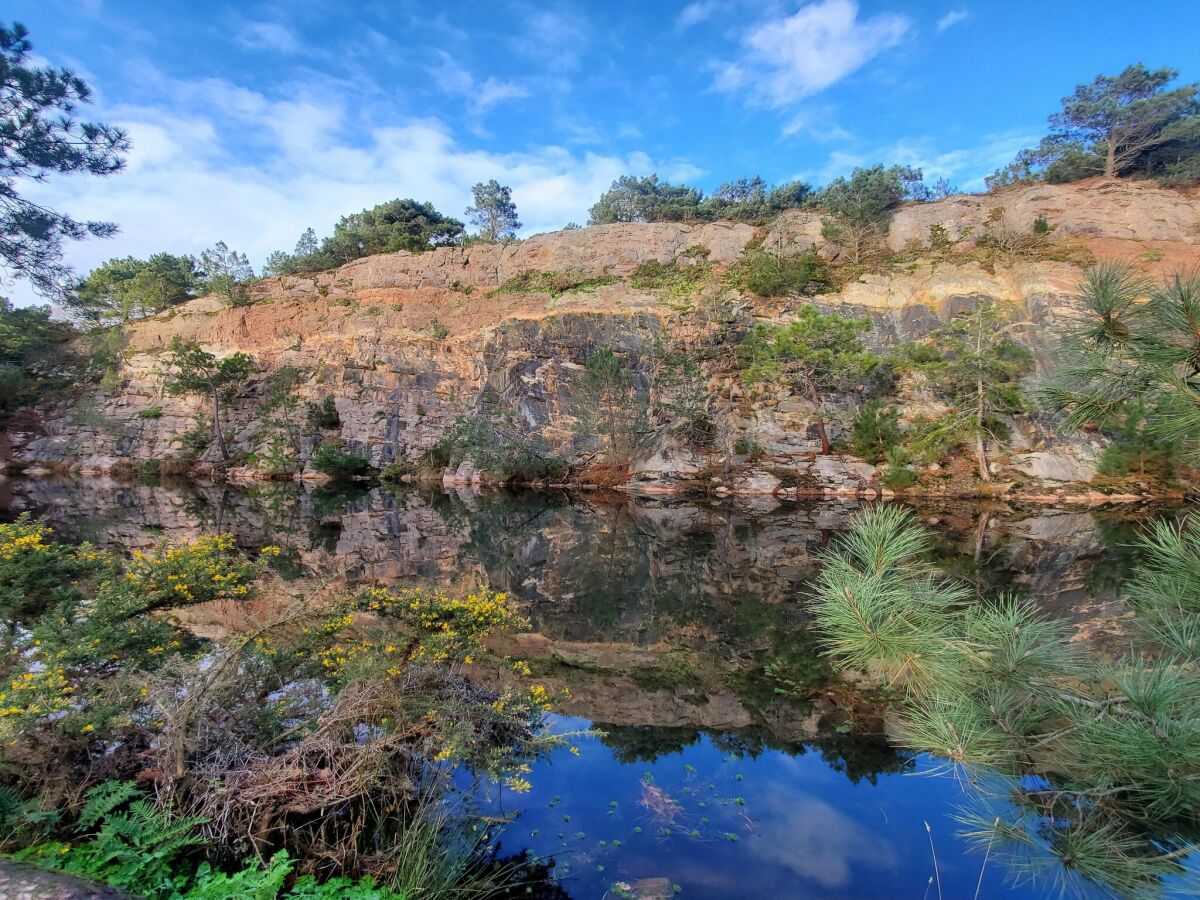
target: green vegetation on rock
<point>815,353</point>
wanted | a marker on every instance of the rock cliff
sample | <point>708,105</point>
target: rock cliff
<point>405,343</point>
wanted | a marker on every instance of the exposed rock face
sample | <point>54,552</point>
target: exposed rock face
<point>405,343</point>
<point>1096,208</point>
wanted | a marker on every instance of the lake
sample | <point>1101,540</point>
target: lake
<point>714,747</point>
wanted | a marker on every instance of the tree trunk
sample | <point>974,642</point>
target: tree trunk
<point>1110,159</point>
<point>729,423</point>
<point>980,404</point>
<point>981,456</point>
<point>826,450</point>
<point>217,432</point>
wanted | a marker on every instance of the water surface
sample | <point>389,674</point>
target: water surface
<point>726,756</point>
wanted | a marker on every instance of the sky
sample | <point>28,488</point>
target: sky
<point>252,121</point>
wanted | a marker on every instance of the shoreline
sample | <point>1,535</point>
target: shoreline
<point>1070,496</point>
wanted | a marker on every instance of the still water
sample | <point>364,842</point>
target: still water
<point>716,750</point>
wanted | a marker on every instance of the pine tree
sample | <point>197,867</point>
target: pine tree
<point>40,137</point>
<point>494,213</point>
<point>815,353</point>
<point>189,369</point>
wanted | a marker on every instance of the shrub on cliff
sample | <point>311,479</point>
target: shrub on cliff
<point>771,275</point>
<point>494,441</point>
<point>977,368</point>
<point>388,227</point>
<point>338,463</point>
<point>34,352</point>
<point>633,199</point>
<point>875,431</point>
<point>225,273</point>
<point>306,257</point>
<point>322,416</point>
<point>122,290</point>
<point>391,226</point>
<point>646,199</point>
<point>859,208</point>
<point>813,354</point>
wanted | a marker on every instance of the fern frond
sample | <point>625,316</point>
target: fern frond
<point>103,799</point>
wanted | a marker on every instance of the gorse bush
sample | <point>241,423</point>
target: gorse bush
<point>367,689</point>
<point>990,682</point>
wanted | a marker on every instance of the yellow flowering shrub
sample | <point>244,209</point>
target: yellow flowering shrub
<point>39,689</point>
<point>444,628</point>
<point>36,572</point>
<point>23,537</point>
<point>210,568</point>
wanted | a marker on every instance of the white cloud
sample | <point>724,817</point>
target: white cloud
<point>966,167</point>
<point>952,18</point>
<point>480,96</point>
<point>255,171</point>
<point>269,36</point>
<point>492,92</point>
<point>818,842</point>
<point>787,59</point>
<point>695,13</point>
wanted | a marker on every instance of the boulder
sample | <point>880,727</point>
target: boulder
<point>23,882</point>
<point>1054,465</point>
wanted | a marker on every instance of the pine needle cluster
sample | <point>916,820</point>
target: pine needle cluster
<point>1133,346</point>
<point>1084,769</point>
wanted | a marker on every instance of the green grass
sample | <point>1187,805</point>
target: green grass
<point>568,281</point>
<point>672,279</point>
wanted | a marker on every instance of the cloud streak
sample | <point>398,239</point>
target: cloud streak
<point>952,18</point>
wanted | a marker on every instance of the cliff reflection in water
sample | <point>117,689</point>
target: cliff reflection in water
<point>674,617</point>
<point>681,632</point>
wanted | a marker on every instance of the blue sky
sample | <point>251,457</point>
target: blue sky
<point>252,121</point>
